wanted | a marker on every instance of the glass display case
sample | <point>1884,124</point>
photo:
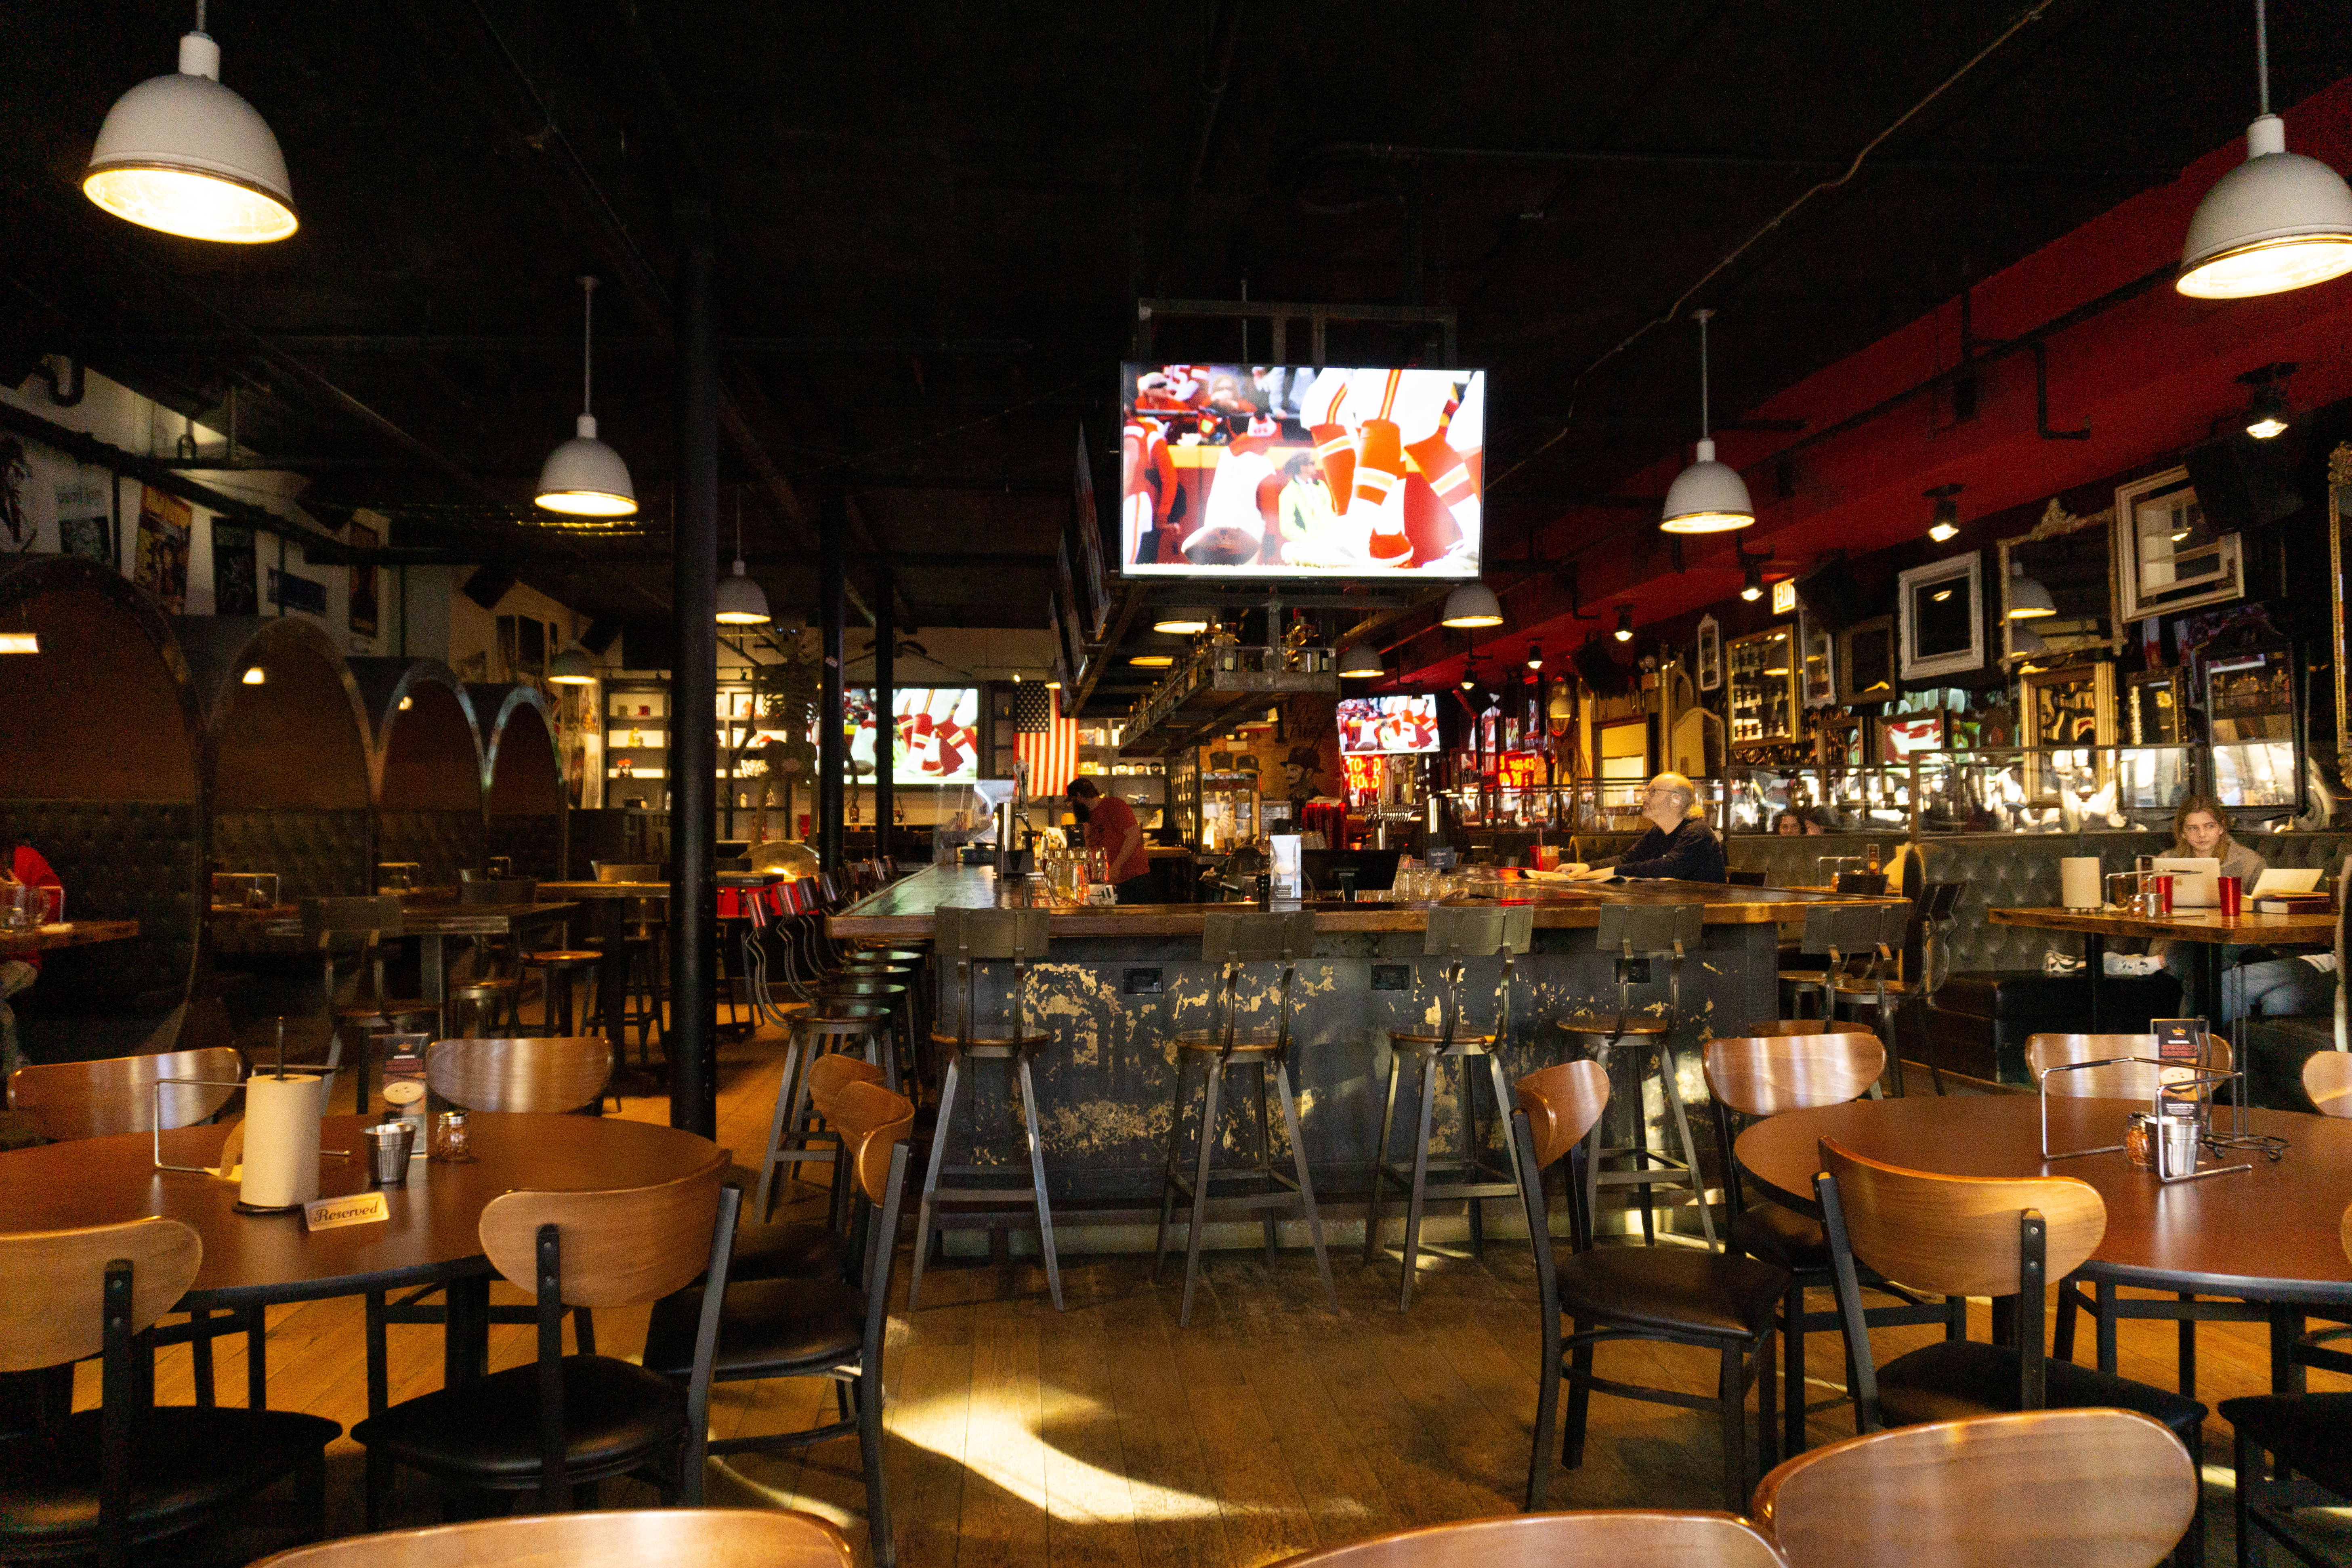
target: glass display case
<point>1229,812</point>
<point>2250,703</point>
<point>1763,675</point>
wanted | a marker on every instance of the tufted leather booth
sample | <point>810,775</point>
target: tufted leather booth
<point>119,860</point>
<point>535,843</point>
<point>316,854</point>
<point>442,842</point>
<point>2276,1050</point>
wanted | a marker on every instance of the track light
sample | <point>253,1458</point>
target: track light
<point>1472,605</point>
<point>1535,658</point>
<point>1186,622</point>
<point>1624,632</point>
<point>1707,497</point>
<point>583,477</point>
<point>2267,416</point>
<point>1753,588</point>
<point>1947,514</point>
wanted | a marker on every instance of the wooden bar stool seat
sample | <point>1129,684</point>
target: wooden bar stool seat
<point>1613,1025</point>
<point>491,1002</point>
<point>791,1142</point>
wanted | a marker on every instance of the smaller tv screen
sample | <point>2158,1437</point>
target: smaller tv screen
<point>939,734</point>
<point>1369,725</point>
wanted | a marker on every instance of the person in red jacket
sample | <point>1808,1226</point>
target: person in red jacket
<point>21,866</point>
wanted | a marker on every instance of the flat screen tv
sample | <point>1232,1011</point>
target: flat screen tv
<point>1232,471</point>
<point>939,734</point>
<point>1370,725</point>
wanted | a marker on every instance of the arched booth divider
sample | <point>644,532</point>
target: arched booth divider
<point>522,774</point>
<point>102,743</point>
<point>289,760</point>
<point>428,766</point>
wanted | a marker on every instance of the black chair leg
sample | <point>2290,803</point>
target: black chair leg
<point>1792,1311</point>
<point>1420,1199</point>
<point>878,1489</point>
<point>1580,1400</point>
<point>1546,1418</point>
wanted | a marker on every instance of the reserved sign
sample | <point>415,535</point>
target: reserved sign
<point>332,1214</point>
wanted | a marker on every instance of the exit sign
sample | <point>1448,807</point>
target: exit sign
<point>1784,595</point>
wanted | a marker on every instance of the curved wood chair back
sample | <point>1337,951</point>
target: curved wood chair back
<point>2044,1488</point>
<point>71,1100</point>
<point>1562,1102</point>
<point>1766,1075</point>
<point>1602,1538</point>
<point>629,1538</point>
<point>1957,1236</point>
<point>53,1310</point>
<point>618,1248</point>
<point>2328,1078</point>
<point>2118,1080</point>
<point>561,1073</point>
<point>832,1072</point>
<point>871,1119</point>
<point>1775,1028</point>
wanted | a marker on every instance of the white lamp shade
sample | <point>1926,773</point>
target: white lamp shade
<point>183,154</point>
<point>2028,599</point>
<point>741,603</point>
<point>1473,604</point>
<point>1361,662</point>
<point>571,668</point>
<point>584,478</point>
<point>2277,221</point>
<point>1707,497</point>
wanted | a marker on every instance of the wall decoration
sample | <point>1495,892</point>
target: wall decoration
<point>2155,707</point>
<point>362,603</point>
<point>2339,512</point>
<point>162,561</point>
<point>236,588</point>
<point>17,529</point>
<point>2072,706</point>
<point>1710,654</point>
<point>2167,557</point>
<point>86,517</point>
<point>1764,695</point>
<point>2071,557</point>
<point>1942,614</point>
<point>1817,665</point>
<point>1866,661</point>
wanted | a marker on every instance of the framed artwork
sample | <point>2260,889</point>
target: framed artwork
<point>2339,512</point>
<point>2155,707</point>
<point>2071,706</point>
<point>2167,557</point>
<point>1866,661</point>
<point>1710,654</point>
<point>1942,617</point>
<point>2070,558</point>
<point>1817,663</point>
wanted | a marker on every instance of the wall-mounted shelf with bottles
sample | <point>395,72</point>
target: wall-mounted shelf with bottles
<point>1762,673</point>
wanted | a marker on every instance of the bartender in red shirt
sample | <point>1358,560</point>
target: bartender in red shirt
<point>1111,827</point>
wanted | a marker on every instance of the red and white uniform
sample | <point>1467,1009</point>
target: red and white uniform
<point>1150,474</point>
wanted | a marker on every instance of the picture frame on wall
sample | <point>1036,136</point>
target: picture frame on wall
<point>2069,706</point>
<point>1940,608</point>
<point>2167,557</point>
<point>1709,661</point>
<point>1866,662</point>
<point>1816,663</point>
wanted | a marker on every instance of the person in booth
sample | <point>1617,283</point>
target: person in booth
<point>1111,827</point>
<point>1679,844</point>
<point>21,864</point>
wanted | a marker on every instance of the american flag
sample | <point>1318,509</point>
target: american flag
<point>1052,753</point>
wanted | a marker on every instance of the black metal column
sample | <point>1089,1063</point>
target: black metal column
<point>886,700</point>
<point>832,747</point>
<point>694,694</point>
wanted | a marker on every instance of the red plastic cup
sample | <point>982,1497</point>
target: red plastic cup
<point>2164,893</point>
<point>2233,892</point>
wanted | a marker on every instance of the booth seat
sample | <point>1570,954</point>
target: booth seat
<point>119,860</point>
<point>317,854</point>
<point>441,843</point>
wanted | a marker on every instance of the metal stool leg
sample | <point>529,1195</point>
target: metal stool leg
<point>927,1213</point>
<point>1682,1130</point>
<point>1201,1188</point>
<point>1306,1182</point>
<point>1170,1169</point>
<point>1419,1179</point>
<point>1037,1177</point>
<point>1380,1164</point>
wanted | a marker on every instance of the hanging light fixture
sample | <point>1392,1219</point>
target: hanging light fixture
<point>739,600</point>
<point>2277,221</point>
<point>20,642</point>
<point>583,477</point>
<point>1535,656</point>
<point>1624,632</point>
<point>1188,621</point>
<point>255,675</point>
<point>1753,588</point>
<point>2028,599</point>
<point>1361,662</point>
<point>1707,497</point>
<point>571,668</point>
<point>1947,514</point>
<point>1472,605</point>
<point>2267,417</point>
<point>185,155</point>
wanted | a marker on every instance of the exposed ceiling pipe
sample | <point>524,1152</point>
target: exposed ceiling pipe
<point>1213,98</point>
<point>64,375</point>
<point>1601,157</point>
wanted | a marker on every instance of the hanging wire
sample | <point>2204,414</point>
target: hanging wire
<point>587,343</point>
<point>1701,318</point>
<point>2263,56</point>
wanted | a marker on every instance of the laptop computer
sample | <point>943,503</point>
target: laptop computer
<point>2195,879</point>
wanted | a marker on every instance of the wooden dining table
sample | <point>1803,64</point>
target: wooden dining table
<point>65,933</point>
<point>431,1237</point>
<point>2212,930</point>
<point>2270,1236</point>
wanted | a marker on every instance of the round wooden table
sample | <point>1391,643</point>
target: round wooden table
<point>2270,1235</point>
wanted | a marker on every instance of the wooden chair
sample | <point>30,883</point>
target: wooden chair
<point>2311,1433</point>
<point>1974,1236</point>
<point>130,1472</point>
<point>2113,1080</point>
<point>533,1074</point>
<point>768,1329</point>
<point>1890,993</point>
<point>2328,1078</point>
<point>1711,1300</point>
<point>631,1537</point>
<point>560,1422</point>
<point>807,1250</point>
<point>1604,1538</point>
<point>2042,1488</point>
<point>1758,1076</point>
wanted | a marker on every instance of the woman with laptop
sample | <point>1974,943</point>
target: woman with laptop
<point>2276,986</point>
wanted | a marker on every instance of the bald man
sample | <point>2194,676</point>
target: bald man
<point>1679,844</point>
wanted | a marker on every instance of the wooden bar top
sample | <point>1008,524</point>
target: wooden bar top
<point>905,907</point>
<point>65,933</point>
<point>2183,925</point>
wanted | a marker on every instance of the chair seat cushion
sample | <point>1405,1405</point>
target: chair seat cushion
<point>1607,1023</point>
<point>613,1413</point>
<point>185,1463</point>
<point>1955,1378</point>
<point>1779,1235</point>
<point>1681,1289</point>
<point>788,1249</point>
<point>767,1328</point>
<point>2308,1431</point>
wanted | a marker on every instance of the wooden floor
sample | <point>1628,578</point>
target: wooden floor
<point>1105,1435</point>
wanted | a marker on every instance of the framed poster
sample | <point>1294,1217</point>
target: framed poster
<point>2167,557</point>
<point>1942,613</point>
<point>2071,706</point>
<point>1710,654</point>
<point>162,561</point>
<point>86,519</point>
<point>237,589</point>
<point>1866,662</point>
<point>363,610</point>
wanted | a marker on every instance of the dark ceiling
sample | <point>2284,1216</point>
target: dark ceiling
<point>932,222</point>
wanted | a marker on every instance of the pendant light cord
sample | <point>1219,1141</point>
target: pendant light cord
<point>1701,317</point>
<point>200,15</point>
<point>2262,56</point>
<point>587,343</point>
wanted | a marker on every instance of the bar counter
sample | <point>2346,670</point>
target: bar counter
<point>1119,983</point>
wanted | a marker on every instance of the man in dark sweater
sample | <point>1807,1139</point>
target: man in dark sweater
<point>1678,845</point>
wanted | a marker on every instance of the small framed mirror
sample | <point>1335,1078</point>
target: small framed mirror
<point>1866,661</point>
<point>2168,556</point>
<point>1942,611</point>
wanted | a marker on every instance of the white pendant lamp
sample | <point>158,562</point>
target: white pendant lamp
<point>2028,599</point>
<point>739,600</point>
<point>183,154</point>
<point>1361,662</point>
<point>2277,221</point>
<point>584,478</point>
<point>1472,605</point>
<point>571,668</point>
<point>1707,497</point>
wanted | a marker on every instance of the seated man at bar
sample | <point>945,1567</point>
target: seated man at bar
<point>1678,845</point>
<point>1111,827</point>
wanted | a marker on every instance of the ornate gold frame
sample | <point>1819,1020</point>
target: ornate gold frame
<point>2339,507</point>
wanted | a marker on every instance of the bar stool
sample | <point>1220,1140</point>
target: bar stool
<point>892,988</point>
<point>791,1141</point>
<point>488,1003</point>
<point>1889,993</point>
<point>1831,932</point>
<point>979,937</point>
<point>1642,934</point>
<point>558,968</point>
<point>325,923</point>
<point>1234,940</point>
<point>1453,935</point>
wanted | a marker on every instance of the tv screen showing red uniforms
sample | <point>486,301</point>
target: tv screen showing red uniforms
<point>1370,725</point>
<point>1289,472</point>
<point>939,733</point>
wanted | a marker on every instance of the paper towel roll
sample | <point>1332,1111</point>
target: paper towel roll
<point>2079,882</point>
<point>281,1140</point>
